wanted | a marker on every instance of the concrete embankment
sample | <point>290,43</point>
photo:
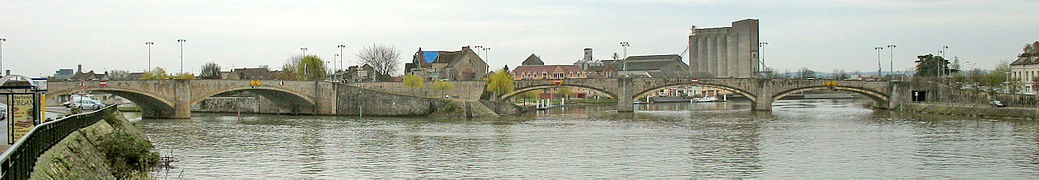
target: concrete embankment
<point>973,111</point>
<point>109,149</point>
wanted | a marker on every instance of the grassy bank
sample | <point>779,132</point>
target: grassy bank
<point>109,149</point>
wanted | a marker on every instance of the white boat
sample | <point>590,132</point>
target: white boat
<point>709,99</point>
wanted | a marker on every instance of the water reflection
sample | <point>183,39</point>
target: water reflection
<point>802,138</point>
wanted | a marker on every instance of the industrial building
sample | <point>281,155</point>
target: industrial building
<point>725,52</point>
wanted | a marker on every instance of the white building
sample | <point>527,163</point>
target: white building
<point>1025,70</point>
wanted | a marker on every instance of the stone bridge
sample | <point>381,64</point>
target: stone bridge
<point>762,92</point>
<point>174,98</point>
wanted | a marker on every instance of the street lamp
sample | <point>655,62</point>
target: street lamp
<point>625,45</point>
<point>341,58</point>
<point>878,62</point>
<point>304,51</point>
<point>182,54</point>
<point>149,43</point>
<point>486,54</point>
<point>891,61</point>
<point>2,55</point>
<point>761,56</point>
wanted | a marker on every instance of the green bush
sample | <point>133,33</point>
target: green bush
<point>128,153</point>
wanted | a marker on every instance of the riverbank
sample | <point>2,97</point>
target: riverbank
<point>109,149</point>
<point>973,110</point>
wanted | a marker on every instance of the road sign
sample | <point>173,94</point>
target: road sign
<point>694,80</point>
<point>282,83</point>
<point>557,81</point>
<point>102,82</point>
<point>82,83</point>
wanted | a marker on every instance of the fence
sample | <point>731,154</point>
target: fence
<point>18,161</point>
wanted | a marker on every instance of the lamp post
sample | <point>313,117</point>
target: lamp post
<point>891,61</point>
<point>625,45</point>
<point>2,55</point>
<point>149,43</point>
<point>487,54</point>
<point>304,54</point>
<point>181,41</point>
<point>762,55</point>
<point>343,55</point>
<point>879,67</point>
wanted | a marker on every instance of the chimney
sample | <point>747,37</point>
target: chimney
<point>79,69</point>
<point>588,54</point>
<point>693,29</point>
<point>465,47</point>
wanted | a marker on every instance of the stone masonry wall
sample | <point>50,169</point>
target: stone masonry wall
<point>467,90</point>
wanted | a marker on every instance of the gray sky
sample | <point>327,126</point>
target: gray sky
<point>43,36</point>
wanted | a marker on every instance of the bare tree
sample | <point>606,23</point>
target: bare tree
<point>118,75</point>
<point>383,59</point>
<point>210,71</point>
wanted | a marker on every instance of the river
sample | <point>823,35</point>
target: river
<point>798,139</point>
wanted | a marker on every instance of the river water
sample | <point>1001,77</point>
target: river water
<point>798,139</point>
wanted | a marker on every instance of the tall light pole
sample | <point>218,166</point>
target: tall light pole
<point>479,48</point>
<point>761,56</point>
<point>342,56</point>
<point>487,54</point>
<point>182,54</point>
<point>944,50</point>
<point>2,55</point>
<point>304,54</point>
<point>891,61</point>
<point>149,43</point>
<point>625,45</point>
<point>878,62</point>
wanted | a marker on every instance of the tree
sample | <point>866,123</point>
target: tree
<point>529,94</point>
<point>413,81</point>
<point>157,73</point>
<point>500,82</point>
<point>931,65</point>
<point>382,58</point>
<point>805,73</point>
<point>118,75</point>
<point>210,71</point>
<point>288,70</point>
<point>310,68</point>
<point>442,86</point>
<point>565,91</point>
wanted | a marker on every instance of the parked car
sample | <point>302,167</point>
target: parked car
<point>996,103</point>
<point>86,104</point>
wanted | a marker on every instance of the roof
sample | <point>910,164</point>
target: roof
<point>546,68</point>
<point>648,62</point>
<point>1026,59</point>
<point>599,68</point>
<point>533,60</point>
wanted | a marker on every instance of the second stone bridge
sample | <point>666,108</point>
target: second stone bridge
<point>762,92</point>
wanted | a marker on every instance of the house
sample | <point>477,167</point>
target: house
<point>599,72</point>
<point>251,74</point>
<point>668,65</point>
<point>532,60</point>
<point>1025,70</point>
<point>459,65</point>
<point>548,72</point>
<point>365,73</point>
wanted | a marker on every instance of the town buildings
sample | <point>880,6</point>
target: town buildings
<point>668,65</point>
<point>461,65</point>
<point>725,52</point>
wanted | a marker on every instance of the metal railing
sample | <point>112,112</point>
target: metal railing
<point>18,161</point>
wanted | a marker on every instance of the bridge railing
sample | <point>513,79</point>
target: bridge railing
<point>18,161</point>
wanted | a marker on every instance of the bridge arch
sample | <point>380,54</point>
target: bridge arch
<point>536,87</point>
<point>878,97</point>
<point>753,97</point>
<point>286,99</point>
<point>151,105</point>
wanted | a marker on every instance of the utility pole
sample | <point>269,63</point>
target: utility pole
<point>879,67</point>
<point>181,54</point>
<point>149,43</point>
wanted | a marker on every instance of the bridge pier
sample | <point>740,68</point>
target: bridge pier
<point>625,101</point>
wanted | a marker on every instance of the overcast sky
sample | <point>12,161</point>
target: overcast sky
<point>43,36</point>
